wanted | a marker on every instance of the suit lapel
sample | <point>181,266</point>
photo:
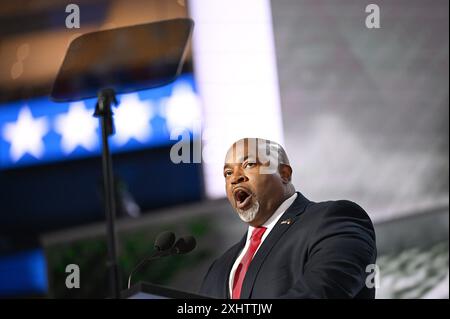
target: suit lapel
<point>283,224</point>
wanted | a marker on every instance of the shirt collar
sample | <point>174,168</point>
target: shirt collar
<point>271,222</point>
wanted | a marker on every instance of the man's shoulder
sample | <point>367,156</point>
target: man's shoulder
<point>336,217</point>
<point>341,207</point>
<point>331,215</point>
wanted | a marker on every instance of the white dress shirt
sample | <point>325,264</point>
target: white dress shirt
<point>269,224</point>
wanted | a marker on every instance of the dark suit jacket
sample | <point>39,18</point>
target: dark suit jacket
<point>322,253</point>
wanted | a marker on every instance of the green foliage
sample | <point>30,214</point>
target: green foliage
<point>90,254</point>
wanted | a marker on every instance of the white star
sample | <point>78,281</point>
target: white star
<point>25,135</point>
<point>77,128</point>
<point>182,109</point>
<point>132,119</point>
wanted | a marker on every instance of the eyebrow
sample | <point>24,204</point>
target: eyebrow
<point>242,159</point>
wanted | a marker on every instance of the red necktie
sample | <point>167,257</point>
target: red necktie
<point>241,270</point>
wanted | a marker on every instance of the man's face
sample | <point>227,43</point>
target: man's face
<point>253,189</point>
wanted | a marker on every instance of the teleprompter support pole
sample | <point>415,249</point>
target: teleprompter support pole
<point>106,98</point>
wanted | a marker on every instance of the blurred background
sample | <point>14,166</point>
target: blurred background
<point>362,113</point>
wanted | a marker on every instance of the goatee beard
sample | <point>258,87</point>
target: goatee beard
<point>249,214</point>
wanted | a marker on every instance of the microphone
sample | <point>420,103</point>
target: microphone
<point>163,243</point>
<point>164,246</point>
<point>184,245</point>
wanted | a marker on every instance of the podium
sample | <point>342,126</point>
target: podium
<point>143,290</point>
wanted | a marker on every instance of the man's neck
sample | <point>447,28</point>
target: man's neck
<point>285,197</point>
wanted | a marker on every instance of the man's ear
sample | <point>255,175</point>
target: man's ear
<point>285,173</point>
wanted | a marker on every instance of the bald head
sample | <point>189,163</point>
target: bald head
<point>266,151</point>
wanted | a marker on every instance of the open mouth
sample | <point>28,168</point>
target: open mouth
<point>242,197</point>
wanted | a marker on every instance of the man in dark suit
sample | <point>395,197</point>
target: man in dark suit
<point>294,248</point>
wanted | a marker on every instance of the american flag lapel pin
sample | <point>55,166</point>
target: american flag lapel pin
<point>286,221</point>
